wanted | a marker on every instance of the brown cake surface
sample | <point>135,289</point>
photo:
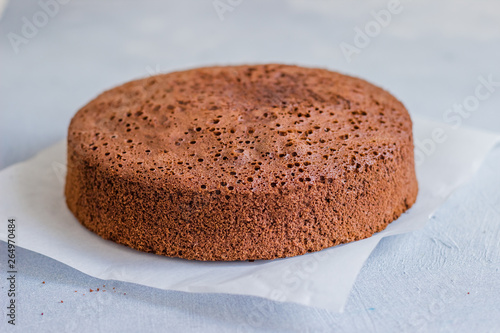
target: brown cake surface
<point>240,162</point>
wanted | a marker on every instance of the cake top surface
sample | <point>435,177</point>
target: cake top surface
<point>241,128</point>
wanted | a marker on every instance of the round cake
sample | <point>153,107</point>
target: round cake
<point>240,162</point>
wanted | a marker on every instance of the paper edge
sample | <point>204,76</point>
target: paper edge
<point>376,237</point>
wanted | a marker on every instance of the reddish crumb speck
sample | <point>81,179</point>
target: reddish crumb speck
<point>124,293</point>
<point>113,288</point>
<point>62,302</point>
<point>97,289</point>
<point>91,290</point>
<point>468,293</point>
<point>43,282</point>
<point>42,313</point>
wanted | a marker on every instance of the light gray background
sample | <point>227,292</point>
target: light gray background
<point>443,278</point>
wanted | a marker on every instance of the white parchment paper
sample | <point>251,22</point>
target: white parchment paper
<point>32,192</point>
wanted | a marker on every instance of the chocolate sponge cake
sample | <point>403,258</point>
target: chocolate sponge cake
<point>240,162</point>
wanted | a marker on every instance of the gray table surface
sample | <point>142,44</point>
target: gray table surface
<point>445,277</point>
